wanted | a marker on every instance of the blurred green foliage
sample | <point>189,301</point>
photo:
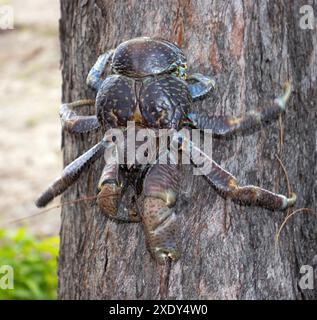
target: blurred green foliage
<point>34,262</point>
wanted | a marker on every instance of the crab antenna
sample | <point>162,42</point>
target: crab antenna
<point>63,204</point>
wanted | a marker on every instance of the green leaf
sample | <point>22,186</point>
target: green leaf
<point>34,262</point>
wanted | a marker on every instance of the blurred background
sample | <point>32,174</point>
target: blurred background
<point>30,93</point>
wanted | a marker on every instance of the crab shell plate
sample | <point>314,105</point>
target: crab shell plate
<point>141,57</point>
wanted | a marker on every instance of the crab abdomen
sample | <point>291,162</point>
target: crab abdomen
<point>161,101</point>
<point>164,101</point>
<point>116,101</point>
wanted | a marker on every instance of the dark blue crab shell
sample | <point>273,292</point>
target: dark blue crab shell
<point>141,57</point>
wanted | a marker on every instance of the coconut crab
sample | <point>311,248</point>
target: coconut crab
<point>149,84</point>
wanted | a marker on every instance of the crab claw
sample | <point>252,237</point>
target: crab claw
<point>110,202</point>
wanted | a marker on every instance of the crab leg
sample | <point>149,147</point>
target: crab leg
<point>73,123</point>
<point>111,198</point>
<point>226,126</point>
<point>202,86</point>
<point>94,80</point>
<point>72,172</point>
<point>227,186</point>
<point>160,188</point>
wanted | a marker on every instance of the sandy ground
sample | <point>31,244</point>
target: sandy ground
<point>30,82</point>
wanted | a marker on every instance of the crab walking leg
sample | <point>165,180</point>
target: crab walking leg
<point>226,126</point>
<point>73,123</point>
<point>202,87</point>
<point>110,198</point>
<point>72,172</point>
<point>228,186</point>
<point>94,79</point>
<point>160,188</point>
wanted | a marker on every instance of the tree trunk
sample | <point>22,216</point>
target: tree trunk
<point>252,47</point>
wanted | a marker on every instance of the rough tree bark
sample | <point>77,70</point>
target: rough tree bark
<point>252,47</point>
